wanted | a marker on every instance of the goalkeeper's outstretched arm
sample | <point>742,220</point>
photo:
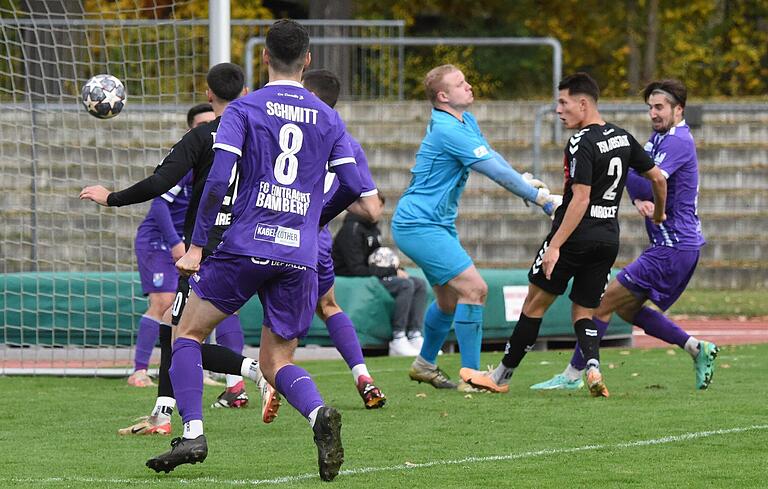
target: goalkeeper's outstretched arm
<point>498,170</point>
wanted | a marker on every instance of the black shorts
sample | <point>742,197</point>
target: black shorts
<point>182,294</point>
<point>587,262</point>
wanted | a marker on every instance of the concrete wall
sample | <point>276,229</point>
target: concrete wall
<point>72,149</point>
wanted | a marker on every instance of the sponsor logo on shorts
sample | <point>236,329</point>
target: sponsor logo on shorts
<point>278,235</point>
<point>276,263</point>
<point>157,279</point>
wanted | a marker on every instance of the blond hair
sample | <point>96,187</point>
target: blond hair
<point>433,82</point>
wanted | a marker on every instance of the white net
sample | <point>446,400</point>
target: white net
<point>68,281</point>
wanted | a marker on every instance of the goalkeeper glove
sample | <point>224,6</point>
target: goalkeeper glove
<point>533,182</point>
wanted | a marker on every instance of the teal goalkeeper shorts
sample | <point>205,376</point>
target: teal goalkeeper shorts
<point>435,249</point>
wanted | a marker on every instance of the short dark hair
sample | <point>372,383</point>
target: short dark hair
<point>580,83</point>
<point>668,87</point>
<point>323,83</point>
<point>197,109</point>
<point>226,81</point>
<point>287,43</point>
<point>382,199</point>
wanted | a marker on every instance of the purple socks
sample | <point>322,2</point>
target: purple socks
<point>145,341</point>
<point>229,333</point>
<point>660,326</point>
<point>295,384</point>
<point>187,378</point>
<point>344,337</point>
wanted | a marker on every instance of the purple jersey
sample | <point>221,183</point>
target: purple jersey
<point>674,152</point>
<point>285,137</point>
<point>369,187</point>
<point>167,226</point>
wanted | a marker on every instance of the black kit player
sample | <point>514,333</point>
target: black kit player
<point>193,152</point>
<point>584,239</point>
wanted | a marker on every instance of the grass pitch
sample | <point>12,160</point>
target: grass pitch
<point>655,431</point>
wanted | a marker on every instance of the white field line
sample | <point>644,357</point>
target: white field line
<point>160,480</point>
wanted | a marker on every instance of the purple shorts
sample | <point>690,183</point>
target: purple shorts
<point>660,274</point>
<point>288,292</point>
<point>157,269</point>
<point>326,275</point>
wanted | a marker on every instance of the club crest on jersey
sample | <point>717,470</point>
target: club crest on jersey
<point>157,279</point>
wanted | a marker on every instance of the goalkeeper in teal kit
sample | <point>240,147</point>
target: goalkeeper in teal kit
<point>423,225</point>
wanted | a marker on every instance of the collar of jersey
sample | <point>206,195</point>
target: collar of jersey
<point>448,115</point>
<point>292,83</point>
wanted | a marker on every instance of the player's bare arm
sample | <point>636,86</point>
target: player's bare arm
<point>575,211</point>
<point>367,207</point>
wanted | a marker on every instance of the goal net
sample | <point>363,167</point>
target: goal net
<point>70,296</point>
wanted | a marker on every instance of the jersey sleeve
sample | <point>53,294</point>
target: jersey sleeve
<point>162,215</point>
<point>638,187</point>
<point>369,186</point>
<point>580,154</point>
<point>230,136</point>
<point>638,158</point>
<point>673,153</point>
<point>465,143</point>
<point>341,152</point>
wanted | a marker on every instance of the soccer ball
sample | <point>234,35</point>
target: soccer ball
<point>384,257</point>
<point>104,96</point>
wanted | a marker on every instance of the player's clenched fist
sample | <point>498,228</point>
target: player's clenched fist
<point>190,262</point>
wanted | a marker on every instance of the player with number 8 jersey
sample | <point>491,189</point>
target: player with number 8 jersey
<point>279,182</point>
<point>281,138</point>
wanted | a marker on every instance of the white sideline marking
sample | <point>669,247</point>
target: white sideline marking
<point>396,468</point>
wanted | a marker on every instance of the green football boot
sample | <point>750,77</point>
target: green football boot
<point>704,363</point>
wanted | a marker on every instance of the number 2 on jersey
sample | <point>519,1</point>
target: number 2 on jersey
<point>614,168</point>
<point>287,164</point>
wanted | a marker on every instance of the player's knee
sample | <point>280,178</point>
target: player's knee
<point>476,292</point>
<point>327,307</point>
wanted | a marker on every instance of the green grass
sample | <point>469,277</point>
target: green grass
<point>722,303</point>
<point>61,432</point>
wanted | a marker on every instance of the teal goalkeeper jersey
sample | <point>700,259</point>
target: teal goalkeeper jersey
<point>449,148</point>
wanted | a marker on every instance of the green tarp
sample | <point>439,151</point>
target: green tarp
<point>103,309</point>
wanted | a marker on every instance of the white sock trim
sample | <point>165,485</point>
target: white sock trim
<point>692,346</point>
<point>313,416</point>
<point>193,429</point>
<point>233,380</point>
<point>572,373</point>
<point>358,370</point>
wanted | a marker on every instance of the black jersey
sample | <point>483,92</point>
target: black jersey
<point>599,156</point>
<point>193,152</point>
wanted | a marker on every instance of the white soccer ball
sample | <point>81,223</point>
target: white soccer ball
<point>384,257</point>
<point>104,96</point>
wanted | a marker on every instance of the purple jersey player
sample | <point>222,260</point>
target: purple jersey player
<point>281,137</point>
<point>325,85</point>
<point>158,245</point>
<point>661,273</point>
